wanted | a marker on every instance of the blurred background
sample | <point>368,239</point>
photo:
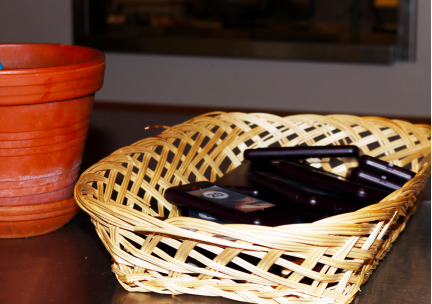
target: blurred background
<point>170,60</point>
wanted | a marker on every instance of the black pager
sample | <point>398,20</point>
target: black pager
<point>208,201</point>
<point>370,178</point>
<point>305,195</point>
<point>333,183</point>
<point>237,180</point>
<point>301,152</point>
<point>381,167</point>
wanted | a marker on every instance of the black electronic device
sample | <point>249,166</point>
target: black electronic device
<point>334,183</point>
<point>381,167</point>
<point>237,180</point>
<point>208,201</point>
<point>370,178</point>
<point>301,152</point>
<point>305,195</point>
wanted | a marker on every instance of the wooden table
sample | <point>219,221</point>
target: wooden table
<point>72,266</point>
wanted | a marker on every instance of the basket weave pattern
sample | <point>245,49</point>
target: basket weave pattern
<point>124,192</point>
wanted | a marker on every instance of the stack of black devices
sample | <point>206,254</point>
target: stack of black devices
<point>273,187</point>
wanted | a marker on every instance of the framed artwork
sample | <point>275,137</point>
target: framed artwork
<point>358,31</point>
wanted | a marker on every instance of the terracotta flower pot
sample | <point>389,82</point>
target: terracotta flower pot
<point>46,99</point>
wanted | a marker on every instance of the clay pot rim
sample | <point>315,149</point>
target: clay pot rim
<point>97,60</point>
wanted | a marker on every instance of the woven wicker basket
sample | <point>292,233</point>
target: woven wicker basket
<point>124,192</point>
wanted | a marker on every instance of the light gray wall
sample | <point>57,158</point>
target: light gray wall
<point>402,89</point>
<point>48,21</point>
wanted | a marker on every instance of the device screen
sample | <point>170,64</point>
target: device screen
<point>231,199</point>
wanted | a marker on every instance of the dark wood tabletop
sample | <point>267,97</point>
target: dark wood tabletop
<point>71,265</point>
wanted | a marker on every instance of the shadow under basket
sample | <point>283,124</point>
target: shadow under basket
<point>321,262</point>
